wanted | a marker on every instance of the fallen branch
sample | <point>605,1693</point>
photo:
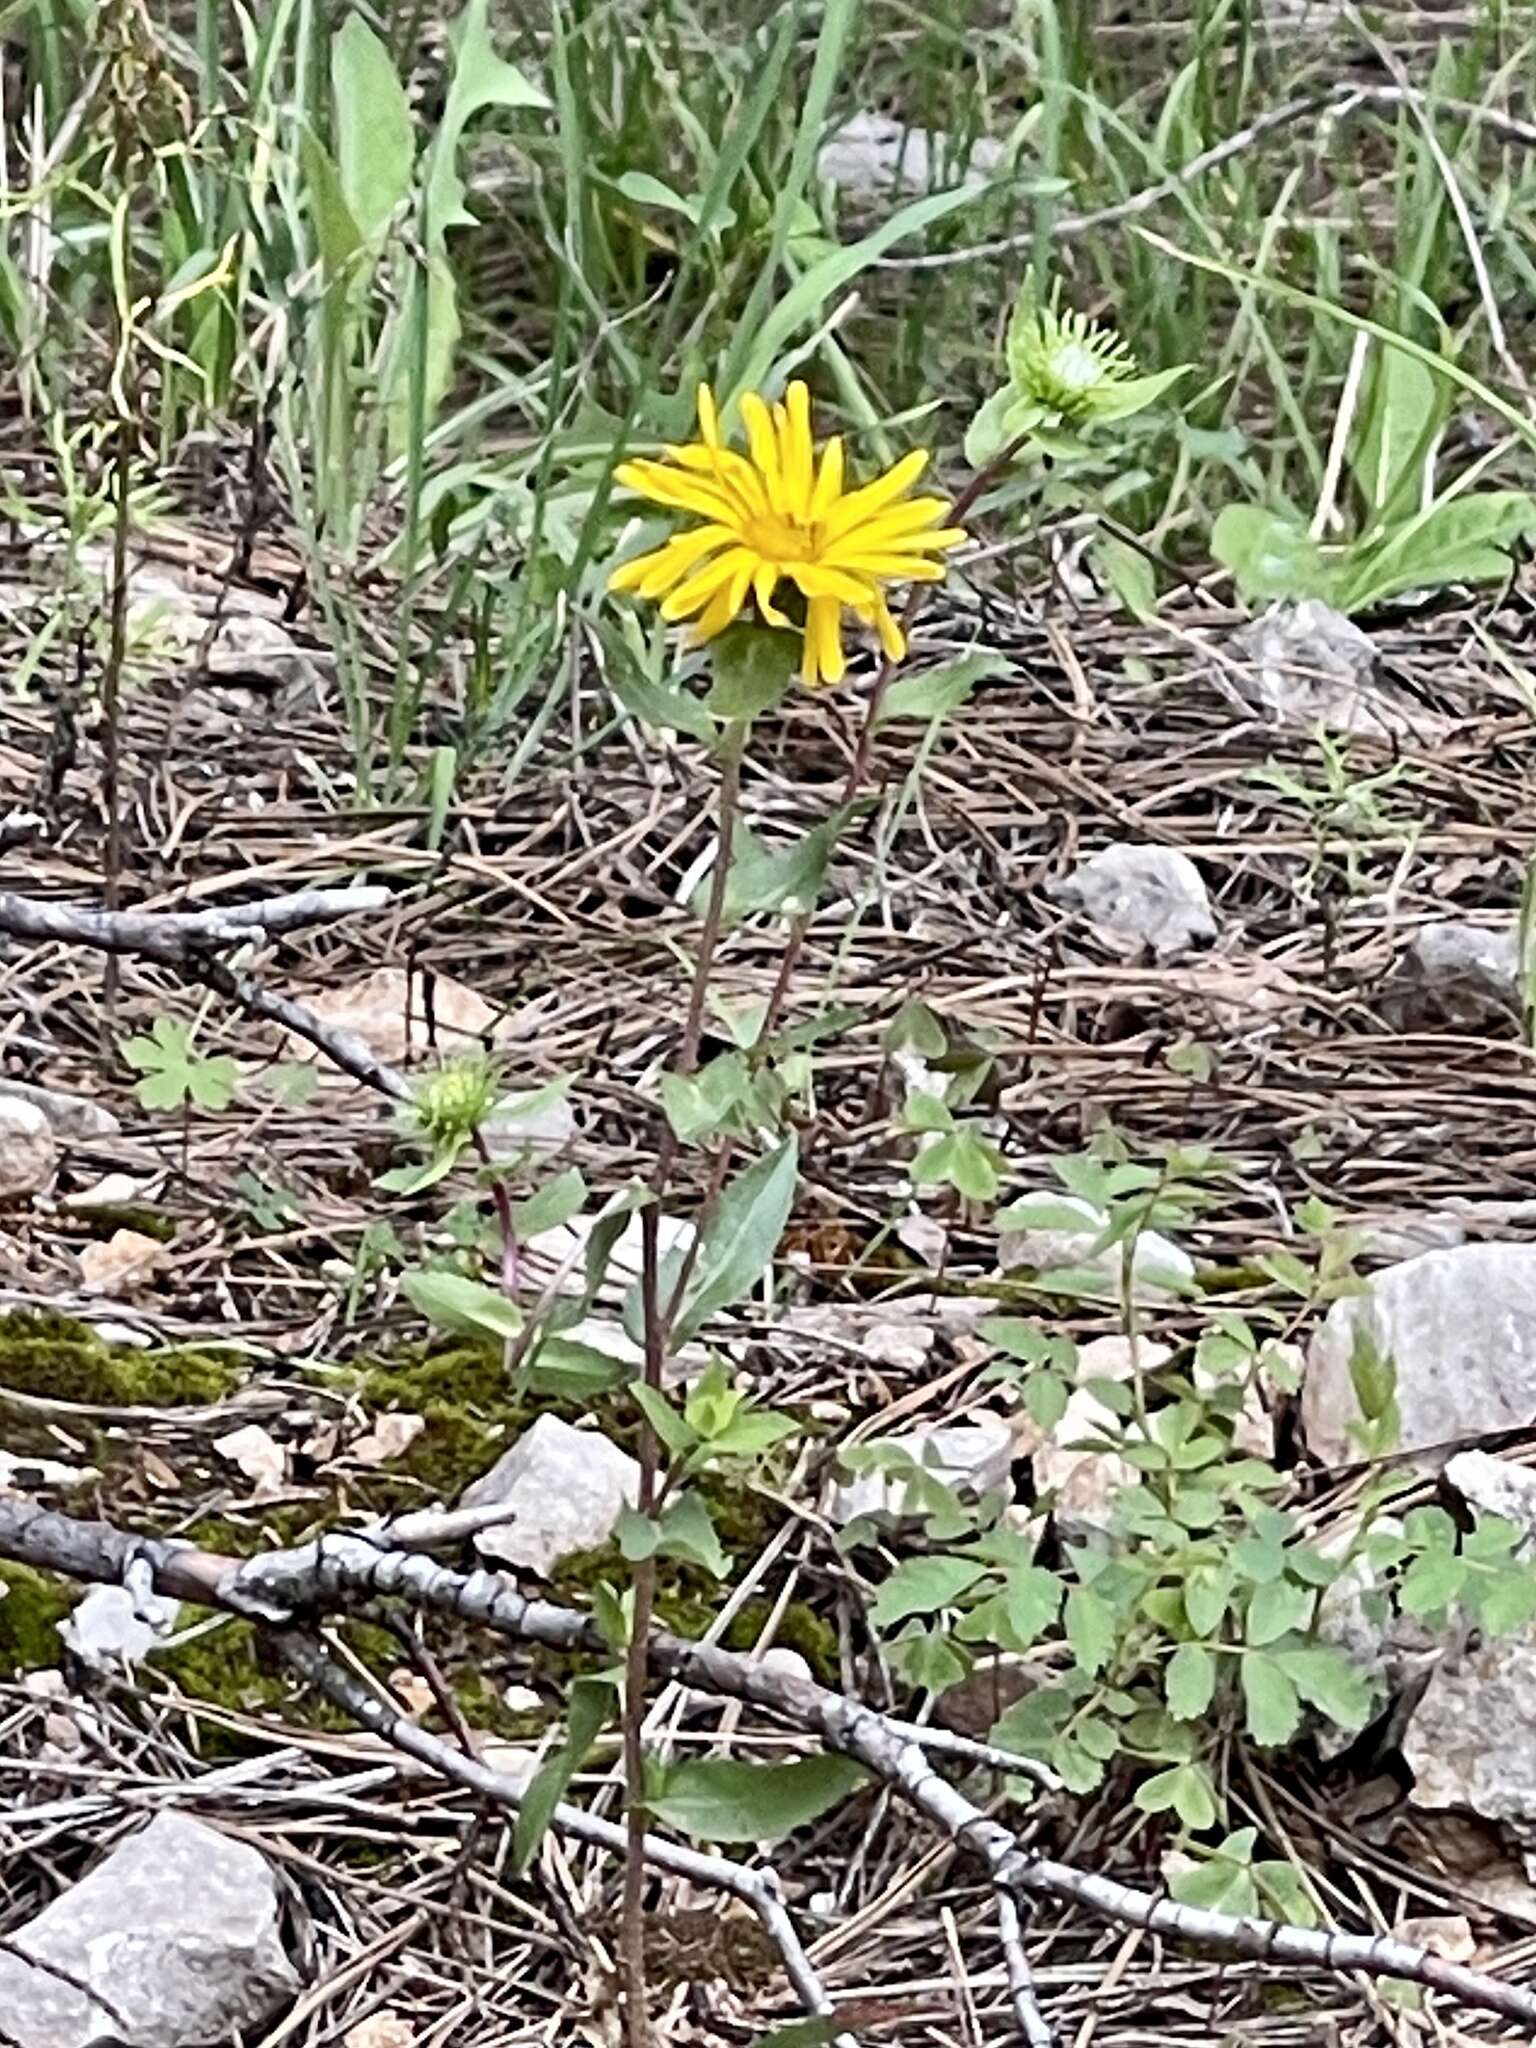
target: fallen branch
<point>757,1888</point>
<point>285,1589</point>
<point>176,937</point>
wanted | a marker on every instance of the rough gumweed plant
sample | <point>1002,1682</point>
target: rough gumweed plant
<point>1067,374</point>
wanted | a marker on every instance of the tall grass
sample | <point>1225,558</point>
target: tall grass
<point>459,274</point>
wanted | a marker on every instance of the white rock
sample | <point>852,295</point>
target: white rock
<point>112,1191</point>
<point>1457,974</point>
<point>974,1458</point>
<point>1158,1265</point>
<point>380,2030</point>
<point>568,1488</point>
<point>178,1930</point>
<point>1471,1740</point>
<point>513,1133</point>
<point>386,1010</point>
<point>122,1263</point>
<point>29,1150</point>
<point>1304,664</point>
<point>1495,1487</point>
<point>1443,1934</point>
<point>1460,1327</point>
<point>1082,1486</point>
<point>72,1116</point>
<point>258,1456</point>
<point>22,1474</point>
<point>112,1626</point>
<point>1150,896</point>
<point>872,156</point>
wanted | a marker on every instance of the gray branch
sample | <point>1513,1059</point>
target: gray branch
<point>343,1572</point>
<point>758,1888</point>
<point>178,936</point>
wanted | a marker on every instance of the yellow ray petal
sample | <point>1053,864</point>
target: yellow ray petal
<point>764,443</point>
<point>717,615</point>
<point>674,488</point>
<point>893,643</point>
<point>817,581</point>
<point>671,563</point>
<point>858,505</point>
<point>909,516</point>
<point>709,418</point>
<point>829,479</point>
<point>797,457</point>
<point>765,579</point>
<point>821,659</point>
<point>897,568</point>
<point>716,575</point>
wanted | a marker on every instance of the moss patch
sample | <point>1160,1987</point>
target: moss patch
<point>31,1607</point>
<point>57,1359</point>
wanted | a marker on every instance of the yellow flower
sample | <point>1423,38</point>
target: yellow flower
<point>777,514</point>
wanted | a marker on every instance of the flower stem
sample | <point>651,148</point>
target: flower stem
<point>658,1317</point>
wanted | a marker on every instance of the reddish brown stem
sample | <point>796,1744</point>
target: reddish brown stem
<point>658,1324</point>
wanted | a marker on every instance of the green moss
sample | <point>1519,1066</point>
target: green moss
<point>463,1397</point>
<point>31,1607</point>
<point>56,1359</point>
<point>800,1628</point>
<point>226,1666</point>
<point>147,1222</point>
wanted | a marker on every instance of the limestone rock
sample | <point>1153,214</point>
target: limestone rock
<point>566,1489</point>
<point>974,1458</point>
<point>29,1150</point>
<point>1304,665</point>
<point>1158,1266</point>
<point>1460,1327</point>
<point>1458,975</point>
<point>386,1009</point>
<point>1151,897</point>
<point>1471,1740</point>
<point>73,1117</point>
<point>873,156</point>
<point>178,1930</point>
<point>122,1263</point>
<point>1495,1487</point>
<point>112,1627</point>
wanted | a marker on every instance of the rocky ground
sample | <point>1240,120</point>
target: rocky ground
<point>1132,876</point>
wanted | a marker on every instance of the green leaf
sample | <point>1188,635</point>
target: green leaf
<point>1432,1583</point>
<point>1091,1626</point>
<point>938,691</point>
<point>926,1658</point>
<point>671,1428</point>
<point>921,1585</point>
<point>719,1801</point>
<point>686,1531</point>
<point>563,1365</point>
<point>1327,1680</point>
<point>1129,395</point>
<point>1185,1789</point>
<point>1269,556</point>
<point>974,1166</point>
<point>743,1236</point>
<point>591,1703</point>
<point>1402,416</point>
<point>1129,575</point>
<point>338,234</point>
<point>803,302</point>
<point>469,1307</point>
<point>659,705</point>
<point>1189,1681</point>
<point>788,882</point>
<point>988,433</point>
<point>375,144</point>
<point>648,191</point>
<point>1220,1886</point>
<point>1046,1397</point>
<point>551,1205</point>
<point>1269,1693</point>
<point>1469,539</point>
<point>753,668</point>
<point>1275,1609</point>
